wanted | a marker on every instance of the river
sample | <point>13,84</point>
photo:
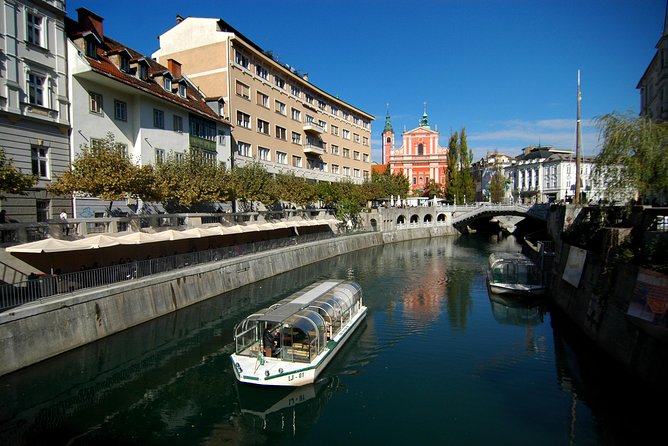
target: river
<point>436,362</point>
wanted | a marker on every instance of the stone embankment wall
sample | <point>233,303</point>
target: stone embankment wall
<point>598,307</point>
<point>54,325</point>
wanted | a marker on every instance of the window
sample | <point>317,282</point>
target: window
<point>36,89</point>
<point>262,72</point>
<point>168,84</point>
<point>35,29</point>
<point>159,156</point>
<point>296,92</point>
<point>346,171</point>
<point>356,173</point>
<point>281,133</point>
<point>262,126</point>
<point>356,138</point>
<point>365,157</point>
<point>280,83</point>
<point>322,124</point>
<point>356,120</point>
<point>365,175</point>
<point>125,64</point>
<point>308,119</point>
<point>335,150</point>
<point>183,90</point>
<point>120,110</point>
<point>346,153</point>
<point>122,149</point>
<point>281,158</point>
<point>335,111</point>
<point>296,161</point>
<point>95,103</point>
<point>346,134</point>
<point>40,161</point>
<point>243,90</point>
<point>143,72</point>
<point>335,168</point>
<point>264,154</point>
<point>420,149</point>
<point>262,100</point>
<point>365,141</point>
<point>322,105</point>
<point>296,138</point>
<point>241,60</point>
<point>296,115</point>
<point>178,124</point>
<point>158,119</point>
<point>244,149</point>
<point>356,155</point>
<point>91,48</point>
<point>346,116</point>
<point>309,98</point>
<point>243,120</point>
<point>280,108</point>
<point>335,130</point>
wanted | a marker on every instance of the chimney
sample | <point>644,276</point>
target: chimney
<point>174,67</point>
<point>179,19</point>
<point>90,21</point>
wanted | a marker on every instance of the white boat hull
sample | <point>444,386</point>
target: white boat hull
<point>517,289</point>
<point>277,372</point>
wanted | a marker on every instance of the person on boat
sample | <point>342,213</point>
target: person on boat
<point>269,342</point>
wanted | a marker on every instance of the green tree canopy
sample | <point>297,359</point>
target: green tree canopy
<point>634,154</point>
<point>106,172</point>
<point>497,185</point>
<point>390,183</point>
<point>12,180</point>
<point>453,185</point>
<point>191,179</point>
<point>289,187</point>
<point>252,183</point>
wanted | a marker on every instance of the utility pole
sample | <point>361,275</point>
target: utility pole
<point>578,138</point>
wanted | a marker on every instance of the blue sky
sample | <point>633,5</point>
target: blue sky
<point>505,70</point>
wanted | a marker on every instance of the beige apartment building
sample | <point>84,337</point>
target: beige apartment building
<point>279,117</point>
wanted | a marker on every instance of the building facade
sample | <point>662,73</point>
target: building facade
<point>653,84</point>
<point>420,157</point>
<point>281,119</point>
<point>482,172</point>
<point>34,123</point>
<point>152,110</point>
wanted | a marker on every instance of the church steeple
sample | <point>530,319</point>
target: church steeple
<point>424,121</point>
<point>388,124</point>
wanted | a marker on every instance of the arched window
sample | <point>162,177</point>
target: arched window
<point>389,140</point>
<point>420,149</point>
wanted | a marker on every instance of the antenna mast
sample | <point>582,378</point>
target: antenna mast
<point>578,139</point>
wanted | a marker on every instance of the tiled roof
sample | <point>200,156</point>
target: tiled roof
<point>195,101</point>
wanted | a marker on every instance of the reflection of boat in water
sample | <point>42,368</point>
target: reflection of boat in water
<point>514,273</point>
<point>513,311</point>
<point>292,341</point>
<point>279,407</point>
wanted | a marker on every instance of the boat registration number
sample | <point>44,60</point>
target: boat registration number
<point>297,375</point>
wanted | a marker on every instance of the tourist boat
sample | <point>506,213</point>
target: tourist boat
<point>292,341</point>
<point>514,273</point>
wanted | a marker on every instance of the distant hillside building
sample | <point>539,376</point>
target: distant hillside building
<point>281,119</point>
<point>653,84</point>
<point>420,157</point>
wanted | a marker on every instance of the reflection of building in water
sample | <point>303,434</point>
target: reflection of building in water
<point>424,297</point>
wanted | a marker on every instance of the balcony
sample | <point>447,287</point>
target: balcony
<point>313,149</point>
<point>313,127</point>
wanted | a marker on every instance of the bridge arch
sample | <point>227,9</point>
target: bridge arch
<point>427,218</point>
<point>415,218</point>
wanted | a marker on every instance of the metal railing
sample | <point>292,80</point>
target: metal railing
<point>39,286</point>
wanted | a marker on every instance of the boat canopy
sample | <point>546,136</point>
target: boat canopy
<point>308,317</point>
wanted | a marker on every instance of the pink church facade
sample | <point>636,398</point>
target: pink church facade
<point>420,157</point>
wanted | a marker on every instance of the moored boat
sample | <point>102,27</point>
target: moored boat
<point>515,274</point>
<point>292,341</point>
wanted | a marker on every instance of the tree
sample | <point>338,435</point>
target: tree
<point>289,187</point>
<point>497,185</point>
<point>191,179</point>
<point>12,180</point>
<point>432,188</point>
<point>106,172</point>
<point>466,156</point>
<point>252,183</point>
<point>634,154</point>
<point>453,190</point>
<point>390,183</point>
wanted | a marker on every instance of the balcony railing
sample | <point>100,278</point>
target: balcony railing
<point>313,148</point>
<point>313,127</point>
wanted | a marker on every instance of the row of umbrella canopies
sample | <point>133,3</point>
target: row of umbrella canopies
<point>136,238</point>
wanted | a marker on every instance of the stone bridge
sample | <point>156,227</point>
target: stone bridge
<point>448,217</point>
